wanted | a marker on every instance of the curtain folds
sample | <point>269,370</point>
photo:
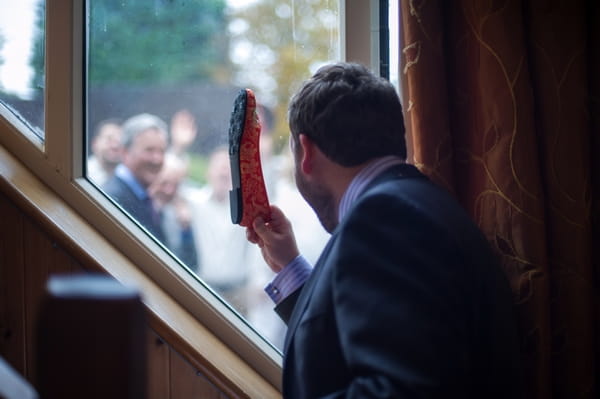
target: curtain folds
<point>501,103</point>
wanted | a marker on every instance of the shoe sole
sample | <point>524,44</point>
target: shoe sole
<point>248,196</point>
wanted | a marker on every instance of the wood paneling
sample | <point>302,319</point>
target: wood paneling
<point>28,256</point>
<point>12,287</point>
<point>42,257</point>
<point>41,234</point>
<point>187,382</point>
<point>158,367</point>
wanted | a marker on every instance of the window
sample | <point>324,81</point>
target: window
<point>89,85</point>
<point>178,66</point>
<point>22,34</point>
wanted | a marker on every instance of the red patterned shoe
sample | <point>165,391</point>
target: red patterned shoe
<point>248,198</point>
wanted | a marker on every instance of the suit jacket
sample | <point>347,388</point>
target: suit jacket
<point>406,301</point>
<point>179,240</point>
<point>139,209</point>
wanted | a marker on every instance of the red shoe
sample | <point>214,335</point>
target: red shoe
<point>248,198</point>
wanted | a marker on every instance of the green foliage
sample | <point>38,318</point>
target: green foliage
<point>198,165</point>
<point>160,41</point>
<point>301,34</point>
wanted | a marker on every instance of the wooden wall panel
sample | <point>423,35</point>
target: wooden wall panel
<point>158,367</point>
<point>42,257</point>
<point>28,256</point>
<point>12,287</point>
<point>188,382</point>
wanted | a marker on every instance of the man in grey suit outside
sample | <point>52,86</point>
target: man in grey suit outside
<point>145,140</point>
<point>407,299</point>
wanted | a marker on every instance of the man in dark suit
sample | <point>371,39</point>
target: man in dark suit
<point>407,299</point>
<point>145,140</point>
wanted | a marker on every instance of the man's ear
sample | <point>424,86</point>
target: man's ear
<point>307,156</point>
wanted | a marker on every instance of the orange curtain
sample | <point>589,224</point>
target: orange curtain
<point>501,103</point>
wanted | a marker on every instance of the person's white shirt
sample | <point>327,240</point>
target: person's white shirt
<point>96,172</point>
<point>223,245</point>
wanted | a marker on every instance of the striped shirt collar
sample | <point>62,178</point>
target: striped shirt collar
<point>362,180</point>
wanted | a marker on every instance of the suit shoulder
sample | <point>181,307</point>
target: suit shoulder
<point>114,185</point>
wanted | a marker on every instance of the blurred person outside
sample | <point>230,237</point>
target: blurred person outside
<point>224,263</point>
<point>144,142</point>
<point>106,151</point>
<point>175,210</point>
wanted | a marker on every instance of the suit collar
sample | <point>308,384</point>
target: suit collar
<point>401,171</point>
<point>379,170</point>
<point>362,180</point>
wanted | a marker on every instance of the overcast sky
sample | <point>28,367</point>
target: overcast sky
<point>16,27</point>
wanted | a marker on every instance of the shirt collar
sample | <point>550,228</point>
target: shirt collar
<point>362,180</point>
<point>125,174</point>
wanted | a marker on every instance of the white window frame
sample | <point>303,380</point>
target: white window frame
<point>58,161</point>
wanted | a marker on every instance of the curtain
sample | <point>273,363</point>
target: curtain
<point>502,108</point>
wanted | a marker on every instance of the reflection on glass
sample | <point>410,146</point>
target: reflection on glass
<point>162,77</point>
<point>22,36</point>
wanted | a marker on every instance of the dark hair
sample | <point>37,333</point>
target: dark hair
<point>103,123</point>
<point>351,114</point>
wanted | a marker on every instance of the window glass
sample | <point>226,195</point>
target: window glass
<point>162,77</point>
<point>22,37</point>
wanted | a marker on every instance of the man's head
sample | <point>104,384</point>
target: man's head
<point>341,118</point>
<point>144,141</point>
<point>106,144</point>
<point>352,115</point>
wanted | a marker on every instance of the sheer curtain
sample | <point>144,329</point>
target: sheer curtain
<point>502,107</point>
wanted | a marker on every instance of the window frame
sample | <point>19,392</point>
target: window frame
<point>57,160</point>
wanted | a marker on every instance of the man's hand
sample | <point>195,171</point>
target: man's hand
<point>183,131</point>
<point>275,238</point>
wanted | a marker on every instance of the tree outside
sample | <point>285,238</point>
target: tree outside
<point>23,39</point>
<point>159,42</point>
<point>38,52</point>
<point>276,44</point>
<point>269,46</point>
